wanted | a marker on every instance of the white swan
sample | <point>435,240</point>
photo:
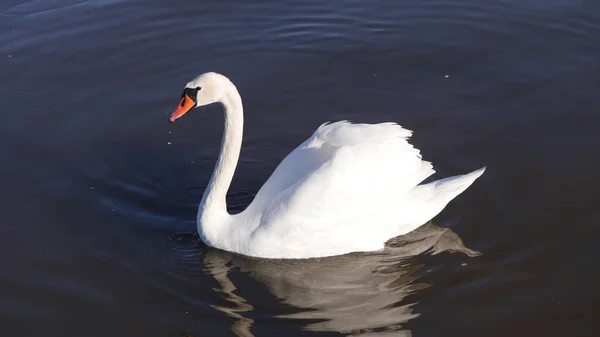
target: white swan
<point>347,188</point>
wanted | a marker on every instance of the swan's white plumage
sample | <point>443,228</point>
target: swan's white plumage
<point>347,188</point>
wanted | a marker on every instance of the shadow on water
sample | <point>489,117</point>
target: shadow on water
<point>359,294</point>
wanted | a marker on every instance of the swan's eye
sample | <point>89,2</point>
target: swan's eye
<point>191,93</point>
<point>198,88</point>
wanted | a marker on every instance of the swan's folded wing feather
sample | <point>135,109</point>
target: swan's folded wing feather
<point>323,143</point>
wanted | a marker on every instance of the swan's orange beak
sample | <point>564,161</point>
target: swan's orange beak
<point>184,106</point>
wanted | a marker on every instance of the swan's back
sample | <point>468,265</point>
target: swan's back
<point>349,187</point>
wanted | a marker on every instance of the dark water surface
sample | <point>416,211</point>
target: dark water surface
<point>99,192</point>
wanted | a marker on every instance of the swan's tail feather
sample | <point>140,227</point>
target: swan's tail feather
<point>453,186</point>
<point>431,198</point>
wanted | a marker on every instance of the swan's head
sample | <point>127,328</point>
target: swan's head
<point>205,89</point>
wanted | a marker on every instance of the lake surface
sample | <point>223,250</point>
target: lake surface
<point>99,192</point>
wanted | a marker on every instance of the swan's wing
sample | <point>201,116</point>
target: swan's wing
<point>352,169</point>
<point>350,187</point>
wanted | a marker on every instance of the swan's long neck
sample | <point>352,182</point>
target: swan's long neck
<point>212,210</point>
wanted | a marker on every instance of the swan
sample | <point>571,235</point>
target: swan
<point>347,188</point>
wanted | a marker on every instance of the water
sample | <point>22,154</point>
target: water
<point>99,192</point>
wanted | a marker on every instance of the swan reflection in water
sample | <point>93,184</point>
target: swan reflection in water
<point>359,294</point>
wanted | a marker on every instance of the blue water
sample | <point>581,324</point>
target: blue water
<point>99,192</point>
